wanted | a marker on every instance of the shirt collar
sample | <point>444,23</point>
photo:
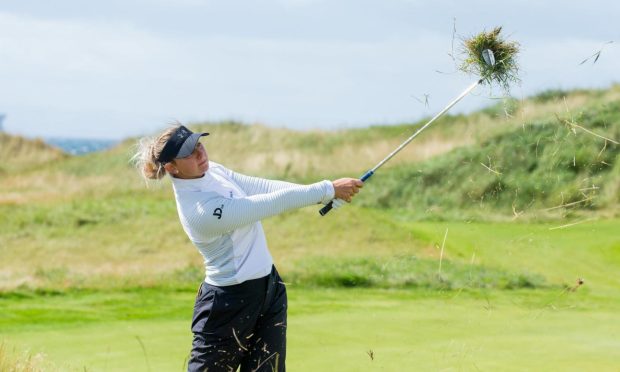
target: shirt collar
<point>194,184</point>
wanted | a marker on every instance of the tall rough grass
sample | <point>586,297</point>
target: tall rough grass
<point>12,361</point>
<point>547,166</point>
<point>301,156</point>
<point>18,153</point>
<point>407,271</point>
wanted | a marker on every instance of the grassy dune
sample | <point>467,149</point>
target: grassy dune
<point>19,154</point>
<point>36,172</point>
<point>540,170</point>
<point>306,155</point>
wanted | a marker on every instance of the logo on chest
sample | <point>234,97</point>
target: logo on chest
<point>218,212</point>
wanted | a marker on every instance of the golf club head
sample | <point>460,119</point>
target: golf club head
<point>488,57</point>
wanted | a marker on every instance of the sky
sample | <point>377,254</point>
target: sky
<point>123,68</point>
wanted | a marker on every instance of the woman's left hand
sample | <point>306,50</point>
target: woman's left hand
<point>346,188</point>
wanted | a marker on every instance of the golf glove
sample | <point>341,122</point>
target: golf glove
<point>337,203</point>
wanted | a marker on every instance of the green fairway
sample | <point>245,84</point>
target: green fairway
<point>339,330</point>
<point>589,250</point>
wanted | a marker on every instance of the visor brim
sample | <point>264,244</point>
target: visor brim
<point>189,145</point>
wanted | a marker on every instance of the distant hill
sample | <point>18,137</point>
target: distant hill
<point>512,157</point>
<point>305,155</point>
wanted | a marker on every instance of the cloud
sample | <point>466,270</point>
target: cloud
<point>115,68</point>
<point>300,68</point>
<point>299,3</point>
<point>72,63</point>
<point>64,48</point>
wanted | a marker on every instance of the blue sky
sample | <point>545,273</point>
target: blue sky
<point>116,69</point>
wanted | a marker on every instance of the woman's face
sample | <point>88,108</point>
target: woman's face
<point>192,166</point>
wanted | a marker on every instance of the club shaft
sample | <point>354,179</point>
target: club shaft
<point>457,99</point>
<point>371,172</point>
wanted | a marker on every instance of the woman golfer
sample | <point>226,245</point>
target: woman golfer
<point>240,311</point>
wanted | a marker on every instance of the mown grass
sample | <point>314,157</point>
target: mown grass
<point>420,330</point>
<point>30,311</point>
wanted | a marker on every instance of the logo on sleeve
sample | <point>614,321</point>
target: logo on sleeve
<point>218,212</point>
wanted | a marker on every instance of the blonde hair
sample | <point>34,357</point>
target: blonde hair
<point>148,150</point>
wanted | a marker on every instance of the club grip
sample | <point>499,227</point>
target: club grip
<point>366,176</point>
<point>329,206</point>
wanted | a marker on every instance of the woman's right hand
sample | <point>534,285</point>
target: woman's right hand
<point>346,188</point>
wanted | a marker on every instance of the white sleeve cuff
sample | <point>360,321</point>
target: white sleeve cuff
<point>328,186</point>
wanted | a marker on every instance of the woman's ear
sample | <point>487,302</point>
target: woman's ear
<point>170,168</point>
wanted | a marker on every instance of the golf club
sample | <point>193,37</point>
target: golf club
<point>489,59</point>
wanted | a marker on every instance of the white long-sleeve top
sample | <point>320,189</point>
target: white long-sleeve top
<point>221,213</point>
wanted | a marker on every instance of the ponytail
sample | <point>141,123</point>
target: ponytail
<point>147,152</point>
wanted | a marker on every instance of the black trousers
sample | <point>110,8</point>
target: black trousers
<point>242,325</point>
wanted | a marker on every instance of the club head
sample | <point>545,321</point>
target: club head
<point>488,57</point>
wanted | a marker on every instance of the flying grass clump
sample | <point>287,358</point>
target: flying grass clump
<point>500,67</point>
